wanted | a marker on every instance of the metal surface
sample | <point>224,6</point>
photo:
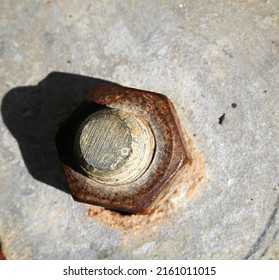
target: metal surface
<point>203,55</point>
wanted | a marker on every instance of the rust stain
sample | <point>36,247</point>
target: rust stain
<point>1,255</point>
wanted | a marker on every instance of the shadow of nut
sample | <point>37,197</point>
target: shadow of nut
<point>122,149</point>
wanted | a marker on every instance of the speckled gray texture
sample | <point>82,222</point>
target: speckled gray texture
<point>204,55</point>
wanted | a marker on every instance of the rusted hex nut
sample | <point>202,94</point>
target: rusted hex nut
<point>122,149</point>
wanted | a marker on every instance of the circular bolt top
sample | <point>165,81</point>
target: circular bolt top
<point>114,147</point>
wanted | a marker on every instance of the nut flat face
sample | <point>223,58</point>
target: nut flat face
<point>122,149</point>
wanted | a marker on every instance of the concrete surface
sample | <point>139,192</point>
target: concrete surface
<point>204,55</point>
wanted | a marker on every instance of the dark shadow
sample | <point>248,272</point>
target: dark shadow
<point>33,114</point>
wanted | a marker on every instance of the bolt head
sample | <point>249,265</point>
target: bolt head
<point>123,149</point>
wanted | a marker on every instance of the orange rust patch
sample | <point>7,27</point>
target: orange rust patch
<point>1,255</point>
<point>197,171</point>
<point>134,224</point>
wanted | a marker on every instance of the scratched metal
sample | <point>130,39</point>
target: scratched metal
<point>204,57</point>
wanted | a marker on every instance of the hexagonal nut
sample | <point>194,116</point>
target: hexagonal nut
<point>123,149</point>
